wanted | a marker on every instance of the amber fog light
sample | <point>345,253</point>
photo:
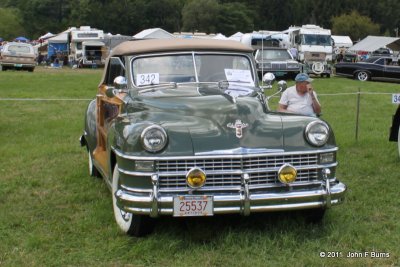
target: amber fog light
<point>287,174</point>
<point>195,178</point>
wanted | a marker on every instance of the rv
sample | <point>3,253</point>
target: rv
<point>258,40</point>
<point>314,48</point>
<point>87,47</point>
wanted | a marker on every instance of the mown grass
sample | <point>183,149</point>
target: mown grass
<point>53,214</point>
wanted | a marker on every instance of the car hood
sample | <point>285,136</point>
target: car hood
<point>207,123</point>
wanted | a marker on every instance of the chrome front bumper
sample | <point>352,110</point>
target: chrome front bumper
<point>244,202</point>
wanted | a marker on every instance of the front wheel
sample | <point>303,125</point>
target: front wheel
<point>362,76</point>
<point>131,224</point>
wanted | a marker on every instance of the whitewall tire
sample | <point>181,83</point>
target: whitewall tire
<point>131,224</point>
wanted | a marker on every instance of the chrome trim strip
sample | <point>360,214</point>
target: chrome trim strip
<point>226,171</point>
<point>245,195</point>
<point>154,196</point>
<point>221,189</point>
<point>239,151</point>
<point>319,151</point>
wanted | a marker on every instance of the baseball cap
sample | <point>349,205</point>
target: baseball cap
<point>303,77</point>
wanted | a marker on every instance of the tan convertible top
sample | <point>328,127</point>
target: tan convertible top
<point>164,45</point>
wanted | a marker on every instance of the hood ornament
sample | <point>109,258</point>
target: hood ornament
<point>239,126</point>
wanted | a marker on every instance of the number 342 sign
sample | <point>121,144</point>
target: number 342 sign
<point>396,98</point>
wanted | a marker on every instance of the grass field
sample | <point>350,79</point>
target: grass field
<point>53,214</point>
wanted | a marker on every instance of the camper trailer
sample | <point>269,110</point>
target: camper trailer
<point>258,40</point>
<point>87,47</point>
<point>314,48</point>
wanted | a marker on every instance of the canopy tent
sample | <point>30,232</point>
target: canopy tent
<point>236,37</point>
<point>46,36</point>
<point>372,43</point>
<point>155,33</point>
<point>58,44</point>
<point>60,38</point>
<point>21,39</point>
<point>220,36</point>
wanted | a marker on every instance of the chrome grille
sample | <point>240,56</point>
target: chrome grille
<point>263,178</point>
<point>226,172</point>
<point>278,66</point>
<point>208,165</point>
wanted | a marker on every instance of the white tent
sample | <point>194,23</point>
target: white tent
<point>342,41</point>
<point>154,33</point>
<point>236,37</point>
<point>46,36</point>
<point>60,38</point>
<point>372,43</point>
<point>220,36</point>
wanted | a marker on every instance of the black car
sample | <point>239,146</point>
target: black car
<point>394,134</point>
<point>379,68</point>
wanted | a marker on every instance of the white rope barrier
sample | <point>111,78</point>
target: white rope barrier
<point>85,99</point>
<point>44,99</point>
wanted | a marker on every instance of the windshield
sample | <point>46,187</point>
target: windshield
<point>316,39</point>
<point>19,49</point>
<point>191,68</point>
<point>273,55</point>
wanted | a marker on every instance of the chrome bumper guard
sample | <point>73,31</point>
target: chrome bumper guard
<point>244,202</point>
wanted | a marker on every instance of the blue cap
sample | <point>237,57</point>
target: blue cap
<point>303,77</point>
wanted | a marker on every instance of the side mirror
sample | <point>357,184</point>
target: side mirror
<point>282,85</point>
<point>120,82</point>
<point>268,79</point>
<point>111,92</point>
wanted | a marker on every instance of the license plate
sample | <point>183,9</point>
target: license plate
<point>18,65</point>
<point>193,206</point>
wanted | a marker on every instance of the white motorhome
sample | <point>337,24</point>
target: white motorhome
<point>314,48</point>
<point>87,47</point>
<point>260,39</point>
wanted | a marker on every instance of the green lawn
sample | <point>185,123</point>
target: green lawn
<point>53,214</point>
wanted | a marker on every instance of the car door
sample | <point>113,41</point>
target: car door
<point>107,109</point>
<point>392,69</point>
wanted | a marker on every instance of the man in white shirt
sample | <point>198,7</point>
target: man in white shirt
<point>301,98</point>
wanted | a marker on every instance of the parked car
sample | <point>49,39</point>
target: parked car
<point>379,68</point>
<point>394,134</point>
<point>181,128</point>
<point>383,51</point>
<point>20,56</point>
<point>276,60</point>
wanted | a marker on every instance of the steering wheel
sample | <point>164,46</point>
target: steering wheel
<point>215,77</point>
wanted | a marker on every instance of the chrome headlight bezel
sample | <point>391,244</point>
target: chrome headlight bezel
<point>159,136</point>
<point>317,133</point>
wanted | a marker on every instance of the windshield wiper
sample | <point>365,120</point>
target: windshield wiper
<point>153,87</point>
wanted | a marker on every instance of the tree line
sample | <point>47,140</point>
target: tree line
<point>355,18</point>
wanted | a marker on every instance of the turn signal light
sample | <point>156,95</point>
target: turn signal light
<point>195,178</point>
<point>287,174</point>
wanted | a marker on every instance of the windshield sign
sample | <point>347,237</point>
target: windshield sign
<point>192,68</point>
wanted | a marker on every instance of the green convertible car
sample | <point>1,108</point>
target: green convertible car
<point>181,127</point>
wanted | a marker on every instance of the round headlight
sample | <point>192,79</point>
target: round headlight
<point>317,133</point>
<point>154,138</point>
